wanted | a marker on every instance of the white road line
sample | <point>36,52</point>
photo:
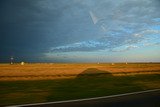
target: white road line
<point>87,99</point>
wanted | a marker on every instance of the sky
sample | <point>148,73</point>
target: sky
<point>80,30</point>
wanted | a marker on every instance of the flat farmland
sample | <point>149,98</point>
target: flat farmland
<point>38,71</point>
<point>34,83</point>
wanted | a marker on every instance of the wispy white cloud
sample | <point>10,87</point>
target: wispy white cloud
<point>79,46</point>
<point>152,44</point>
<point>123,49</point>
<point>156,19</point>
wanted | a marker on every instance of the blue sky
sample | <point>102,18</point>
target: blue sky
<point>80,30</point>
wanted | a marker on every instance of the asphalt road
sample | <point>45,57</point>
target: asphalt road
<point>146,99</point>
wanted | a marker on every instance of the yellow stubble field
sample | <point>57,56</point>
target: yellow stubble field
<point>41,71</point>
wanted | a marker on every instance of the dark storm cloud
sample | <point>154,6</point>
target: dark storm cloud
<point>22,34</point>
<point>31,28</point>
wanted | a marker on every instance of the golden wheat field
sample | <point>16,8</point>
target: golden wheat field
<point>38,71</point>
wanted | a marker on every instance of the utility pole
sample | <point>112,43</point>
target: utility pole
<point>11,59</point>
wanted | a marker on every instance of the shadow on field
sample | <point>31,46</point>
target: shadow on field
<point>93,72</point>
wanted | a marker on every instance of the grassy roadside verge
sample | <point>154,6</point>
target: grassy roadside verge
<point>20,92</point>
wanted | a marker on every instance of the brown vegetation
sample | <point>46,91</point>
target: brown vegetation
<point>55,70</point>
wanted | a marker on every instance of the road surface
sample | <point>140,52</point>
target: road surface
<point>140,99</point>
